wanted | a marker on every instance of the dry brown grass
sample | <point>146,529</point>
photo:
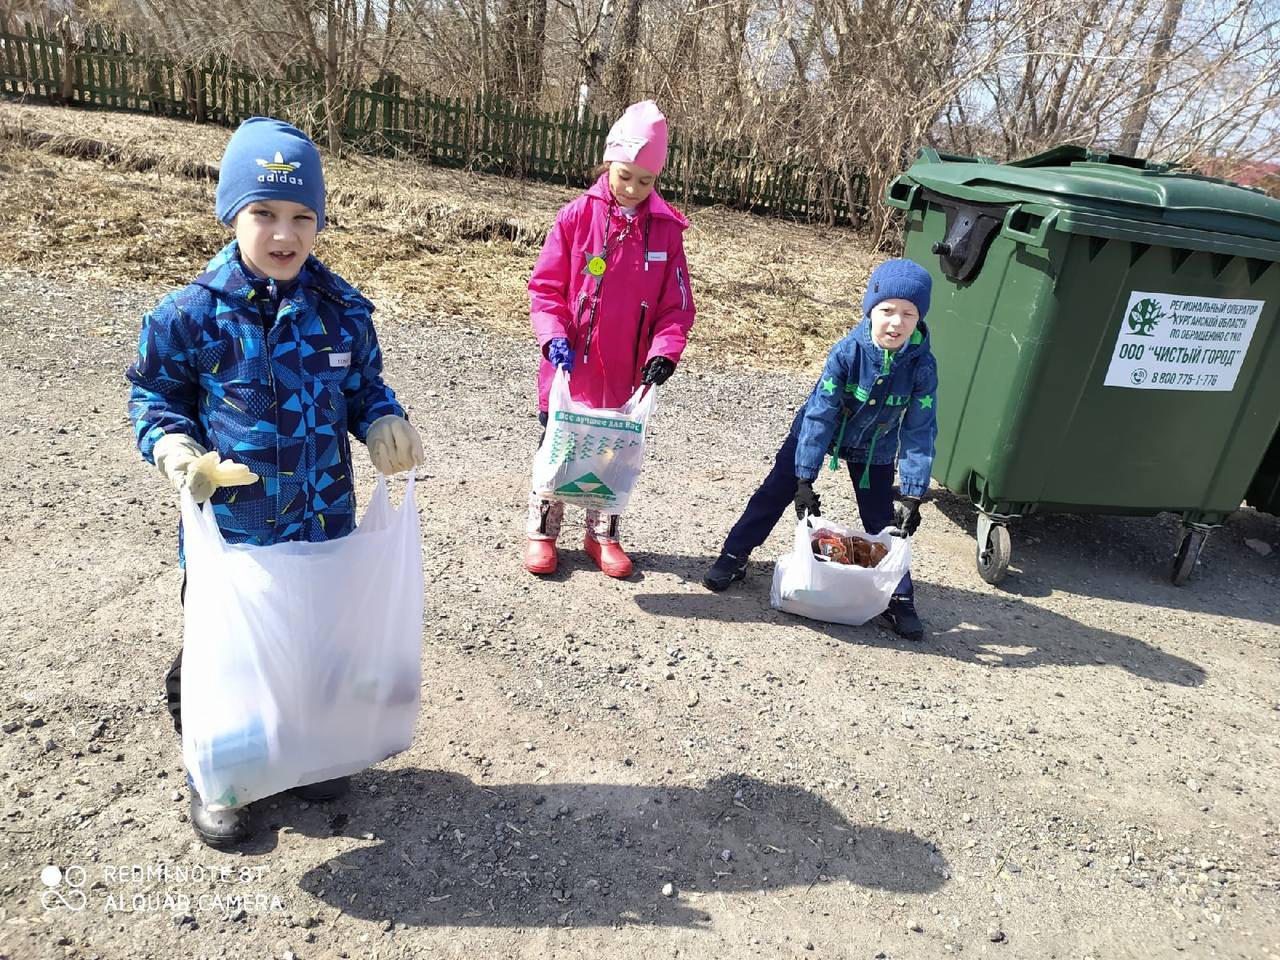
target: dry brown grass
<point>122,198</point>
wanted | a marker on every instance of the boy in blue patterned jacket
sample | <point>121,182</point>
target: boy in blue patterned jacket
<point>874,404</point>
<point>249,379</point>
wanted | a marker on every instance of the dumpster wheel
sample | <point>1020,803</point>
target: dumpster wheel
<point>994,549</point>
<point>1184,561</point>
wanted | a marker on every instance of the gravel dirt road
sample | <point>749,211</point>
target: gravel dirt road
<point>1081,764</point>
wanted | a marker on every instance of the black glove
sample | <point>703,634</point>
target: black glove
<point>906,516</point>
<point>657,371</point>
<point>806,500</point>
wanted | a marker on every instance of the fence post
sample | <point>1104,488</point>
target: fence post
<point>195,94</point>
<point>29,65</point>
<point>58,72</point>
<point>38,57</point>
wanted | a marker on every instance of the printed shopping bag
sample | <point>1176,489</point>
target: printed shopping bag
<point>592,457</point>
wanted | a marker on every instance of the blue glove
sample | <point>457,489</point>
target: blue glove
<point>560,354</point>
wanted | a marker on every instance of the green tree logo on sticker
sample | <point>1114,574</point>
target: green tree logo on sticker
<point>1144,316</point>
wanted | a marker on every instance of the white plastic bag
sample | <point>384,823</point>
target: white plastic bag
<point>837,592</point>
<point>300,661</point>
<point>592,457</point>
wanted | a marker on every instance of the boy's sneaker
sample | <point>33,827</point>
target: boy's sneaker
<point>903,620</point>
<point>323,790</point>
<point>219,829</point>
<point>724,572</point>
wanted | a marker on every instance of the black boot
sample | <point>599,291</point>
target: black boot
<point>902,619</point>
<point>219,829</point>
<point>322,791</point>
<point>724,571</point>
<point>173,692</point>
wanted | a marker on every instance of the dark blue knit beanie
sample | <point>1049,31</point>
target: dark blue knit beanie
<point>269,160</point>
<point>898,280</point>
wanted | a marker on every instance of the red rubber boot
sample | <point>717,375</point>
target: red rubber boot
<point>545,517</point>
<point>540,556</point>
<point>609,556</point>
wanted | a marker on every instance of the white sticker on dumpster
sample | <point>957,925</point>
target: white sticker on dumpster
<point>1177,342</point>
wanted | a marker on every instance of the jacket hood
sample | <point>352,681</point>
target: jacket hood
<point>917,343</point>
<point>654,204</point>
<point>227,276</point>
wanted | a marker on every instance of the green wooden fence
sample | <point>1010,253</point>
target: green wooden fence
<point>106,71</point>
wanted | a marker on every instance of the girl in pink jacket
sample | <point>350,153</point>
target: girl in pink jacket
<point>611,305</point>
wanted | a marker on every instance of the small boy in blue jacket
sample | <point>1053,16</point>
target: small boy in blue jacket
<point>250,380</point>
<point>874,404</point>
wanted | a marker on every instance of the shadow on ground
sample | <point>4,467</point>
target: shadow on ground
<point>453,852</point>
<point>1129,559</point>
<point>971,627</point>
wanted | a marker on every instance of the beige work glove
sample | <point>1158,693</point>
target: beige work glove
<point>394,445</point>
<point>188,466</point>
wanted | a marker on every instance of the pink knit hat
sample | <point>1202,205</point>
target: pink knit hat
<point>639,137</point>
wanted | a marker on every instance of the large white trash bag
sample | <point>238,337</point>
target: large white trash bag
<point>837,592</point>
<point>591,456</point>
<point>300,661</point>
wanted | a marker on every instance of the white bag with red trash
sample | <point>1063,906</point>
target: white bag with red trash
<point>822,589</point>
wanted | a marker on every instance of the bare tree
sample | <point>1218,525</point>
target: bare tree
<point>1131,134</point>
<point>624,56</point>
<point>521,30</point>
<point>849,89</point>
<point>594,48</point>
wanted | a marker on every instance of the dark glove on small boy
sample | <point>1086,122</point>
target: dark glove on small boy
<point>806,500</point>
<point>906,516</point>
<point>657,371</point>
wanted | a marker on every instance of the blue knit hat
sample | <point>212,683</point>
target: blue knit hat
<point>269,160</point>
<point>898,280</point>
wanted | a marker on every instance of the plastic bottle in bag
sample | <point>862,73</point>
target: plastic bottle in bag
<point>238,758</point>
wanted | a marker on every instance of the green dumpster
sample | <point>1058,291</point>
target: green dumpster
<point>1106,334</point>
<point>1264,492</point>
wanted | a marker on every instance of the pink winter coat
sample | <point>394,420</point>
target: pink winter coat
<point>645,308</point>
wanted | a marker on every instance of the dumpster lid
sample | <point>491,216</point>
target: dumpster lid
<point>1071,176</point>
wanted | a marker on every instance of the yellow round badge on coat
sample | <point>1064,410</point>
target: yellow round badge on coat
<point>595,266</point>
